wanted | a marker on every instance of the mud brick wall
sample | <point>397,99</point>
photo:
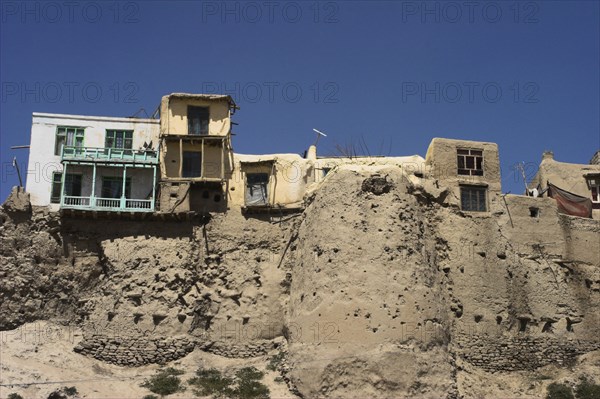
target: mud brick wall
<point>520,353</point>
<point>136,351</point>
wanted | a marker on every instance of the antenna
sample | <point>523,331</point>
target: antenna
<point>319,134</point>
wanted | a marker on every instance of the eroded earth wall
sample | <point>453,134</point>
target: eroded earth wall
<point>381,287</point>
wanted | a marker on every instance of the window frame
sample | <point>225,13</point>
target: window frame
<point>56,185</point>
<point>593,182</point>
<point>195,111</point>
<point>472,160</point>
<point>183,164</point>
<point>78,133</point>
<point>257,179</point>
<point>479,202</point>
<point>112,135</point>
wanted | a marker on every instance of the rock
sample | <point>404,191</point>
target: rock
<point>18,201</point>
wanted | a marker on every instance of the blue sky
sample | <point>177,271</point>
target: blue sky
<point>524,74</point>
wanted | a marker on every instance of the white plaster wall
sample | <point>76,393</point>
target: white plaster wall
<point>43,162</point>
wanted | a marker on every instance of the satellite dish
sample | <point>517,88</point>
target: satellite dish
<point>319,134</point>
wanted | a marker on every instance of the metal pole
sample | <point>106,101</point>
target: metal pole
<point>16,166</point>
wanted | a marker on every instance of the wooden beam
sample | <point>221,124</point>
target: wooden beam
<point>202,160</point>
<point>180,158</point>
<point>222,160</point>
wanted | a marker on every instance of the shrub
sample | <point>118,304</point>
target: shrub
<point>249,373</point>
<point>71,391</point>
<point>211,382</point>
<point>150,397</point>
<point>248,385</point>
<point>165,382</point>
<point>587,390</point>
<point>275,361</point>
<point>559,391</point>
<point>14,396</point>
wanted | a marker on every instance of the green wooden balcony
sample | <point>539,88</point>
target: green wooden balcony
<point>98,154</point>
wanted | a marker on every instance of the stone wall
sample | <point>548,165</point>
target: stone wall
<point>136,351</point>
<point>520,353</point>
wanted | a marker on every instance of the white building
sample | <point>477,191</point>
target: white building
<point>111,163</point>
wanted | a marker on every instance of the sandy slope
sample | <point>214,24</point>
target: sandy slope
<point>37,359</point>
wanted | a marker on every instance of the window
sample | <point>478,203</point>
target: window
<point>56,186</point>
<point>72,186</point>
<point>198,120</point>
<point>68,137</point>
<point>470,162</point>
<point>593,182</point>
<point>473,199</point>
<point>192,164</point>
<point>256,189</point>
<point>119,139</point>
<point>112,187</point>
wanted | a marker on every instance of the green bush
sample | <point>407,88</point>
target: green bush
<point>587,390</point>
<point>71,391</point>
<point>559,391</point>
<point>14,396</point>
<point>165,382</point>
<point>249,373</point>
<point>245,385</point>
<point>211,382</point>
<point>248,385</point>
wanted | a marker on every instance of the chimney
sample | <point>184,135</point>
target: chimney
<point>312,153</point>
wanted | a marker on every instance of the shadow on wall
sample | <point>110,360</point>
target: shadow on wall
<point>115,229</point>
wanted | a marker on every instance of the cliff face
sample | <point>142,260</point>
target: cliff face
<point>380,288</point>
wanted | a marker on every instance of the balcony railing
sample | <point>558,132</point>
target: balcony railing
<point>107,204</point>
<point>97,154</point>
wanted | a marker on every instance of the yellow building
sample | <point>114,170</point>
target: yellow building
<point>196,153</point>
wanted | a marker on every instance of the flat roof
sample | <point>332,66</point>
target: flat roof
<point>201,96</point>
<point>95,118</point>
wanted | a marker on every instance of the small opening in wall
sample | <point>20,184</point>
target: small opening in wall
<point>419,175</point>
<point>534,212</point>
<point>478,318</point>
<point>547,327</point>
<point>569,325</point>
<point>523,325</point>
<point>173,195</point>
<point>498,320</point>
